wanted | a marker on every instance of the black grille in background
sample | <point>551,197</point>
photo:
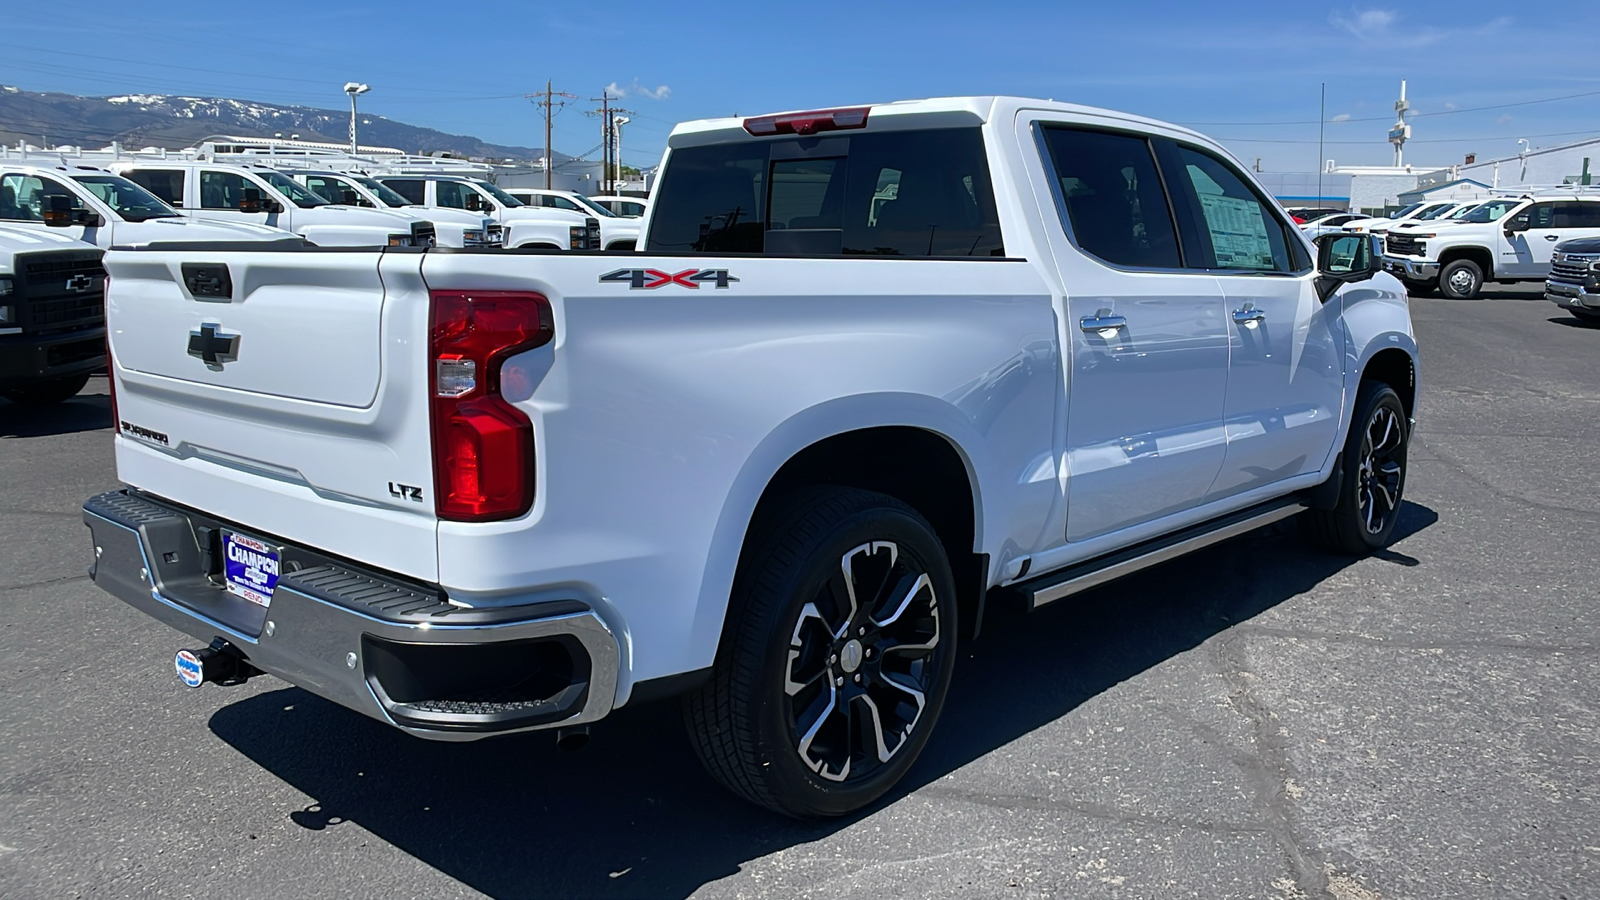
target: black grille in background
<point>61,291</point>
<point>1402,245</point>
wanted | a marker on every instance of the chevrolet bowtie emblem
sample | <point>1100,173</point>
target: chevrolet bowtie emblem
<point>80,282</point>
<point>213,347</point>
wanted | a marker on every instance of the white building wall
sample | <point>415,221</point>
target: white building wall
<point>1378,191</point>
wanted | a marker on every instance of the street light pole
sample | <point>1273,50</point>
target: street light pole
<point>354,89</point>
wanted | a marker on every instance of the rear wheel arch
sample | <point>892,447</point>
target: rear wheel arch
<point>918,466</point>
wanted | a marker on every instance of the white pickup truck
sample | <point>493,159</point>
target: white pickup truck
<point>262,196</point>
<point>52,315</point>
<point>616,232</point>
<point>871,369</point>
<point>452,227</point>
<point>100,208</point>
<point>1507,240</point>
<point>526,227</point>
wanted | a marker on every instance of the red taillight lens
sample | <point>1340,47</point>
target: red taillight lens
<point>809,122</point>
<point>111,363</point>
<point>482,445</point>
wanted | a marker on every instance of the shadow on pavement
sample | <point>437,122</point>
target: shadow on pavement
<point>633,815</point>
<point>1575,322</point>
<point>85,412</point>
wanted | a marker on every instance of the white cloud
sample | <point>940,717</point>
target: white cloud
<point>1449,105</point>
<point>1341,117</point>
<point>1385,28</point>
<point>635,89</point>
<point>1503,119</point>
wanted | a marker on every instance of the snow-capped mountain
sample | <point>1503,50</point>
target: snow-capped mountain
<point>161,120</point>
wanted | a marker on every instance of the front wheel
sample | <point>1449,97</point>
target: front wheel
<point>1374,476</point>
<point>1461,280</point>
<point>835,659</point>
<point>48,393</point>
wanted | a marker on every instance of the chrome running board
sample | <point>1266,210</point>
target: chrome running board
<point>1065,582</point>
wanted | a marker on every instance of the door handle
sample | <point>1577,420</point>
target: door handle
<point>1550,237</point>
<point>1101,322</point>
<point>1248,314</point>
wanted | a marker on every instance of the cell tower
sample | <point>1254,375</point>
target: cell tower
<point>1401,131</point>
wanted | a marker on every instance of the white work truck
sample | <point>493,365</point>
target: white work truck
<point>526,227</point>
<point>262,196</point>
<point>452,227</point>
<point>52,315</point>
<point>616,232</point>
<point>1508,239</point>
<point>100,208</point>
<point>871,369</point>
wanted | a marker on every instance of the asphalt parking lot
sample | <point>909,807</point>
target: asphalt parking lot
<point>1256,720</point>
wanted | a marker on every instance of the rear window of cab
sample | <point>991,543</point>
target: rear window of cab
<point>920,193</point>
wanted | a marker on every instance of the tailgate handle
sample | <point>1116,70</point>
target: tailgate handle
<point>208,281</point>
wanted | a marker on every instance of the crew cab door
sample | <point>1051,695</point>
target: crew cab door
<point>1526,253</point>
<point>1148,339</point>
<point>220,193</point>
<point>1285,375</point>
<point>24,197</point>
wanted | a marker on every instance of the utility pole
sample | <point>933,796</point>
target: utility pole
<point>549,104</point>
<point>608,130</point>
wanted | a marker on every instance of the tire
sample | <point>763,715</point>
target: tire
<point>1374,476</point>
<point>813,711</point>
<point>48,393</point>
<point>1422,288</point>
<point>1461,279</point>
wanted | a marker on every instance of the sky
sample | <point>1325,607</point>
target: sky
<point>1251,74</point>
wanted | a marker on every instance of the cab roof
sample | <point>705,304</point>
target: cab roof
<point>954,110</point>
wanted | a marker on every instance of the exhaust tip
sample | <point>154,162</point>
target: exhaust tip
<point>570,739</point>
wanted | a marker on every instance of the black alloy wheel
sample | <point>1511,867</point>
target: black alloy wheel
<point>1373,482</point>
<point>835,658</point>
<point>861,663</point>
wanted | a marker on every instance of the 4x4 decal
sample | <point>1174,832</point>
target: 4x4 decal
<point>650,279</point>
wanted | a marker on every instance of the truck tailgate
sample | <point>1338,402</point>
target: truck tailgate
<point>294,403</point>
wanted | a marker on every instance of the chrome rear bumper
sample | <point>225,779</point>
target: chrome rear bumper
<point>394,650</point>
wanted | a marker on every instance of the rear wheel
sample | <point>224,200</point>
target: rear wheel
<point>836,657</point>
<point>1374,476</point>
<point>1461,279</point>
<point>47,393</point>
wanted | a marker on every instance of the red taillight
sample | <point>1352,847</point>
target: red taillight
<point>111,364</point>
<point>482,445</point>
<point>111,385</point>
<point>809,122</point>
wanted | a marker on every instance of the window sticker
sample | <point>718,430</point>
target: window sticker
<point>1238,232</point>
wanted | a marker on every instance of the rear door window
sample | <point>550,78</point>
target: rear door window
<point>164,183</point>
<point>917,193</point>
<point>1113,197</point>
<point>414,190</point>
<point>1578,215</point>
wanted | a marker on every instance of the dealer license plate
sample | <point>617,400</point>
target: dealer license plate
<point>249,567</point>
